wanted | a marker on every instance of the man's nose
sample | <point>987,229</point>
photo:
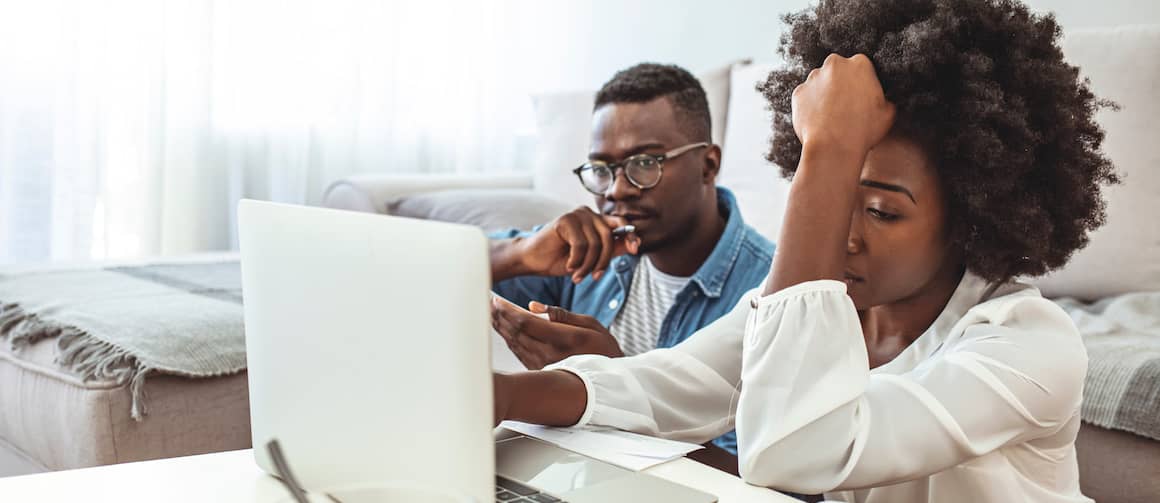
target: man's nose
<point>621,188</point>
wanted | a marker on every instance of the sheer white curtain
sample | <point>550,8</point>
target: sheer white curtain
<point>131,127</point>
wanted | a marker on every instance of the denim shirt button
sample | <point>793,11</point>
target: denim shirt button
<point>613,303</point>
<point>621,266</point>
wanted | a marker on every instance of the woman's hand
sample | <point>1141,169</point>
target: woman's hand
<point>841,106</point>
<point>839,114</point>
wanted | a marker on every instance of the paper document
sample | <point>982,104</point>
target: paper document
<point>621,448</point>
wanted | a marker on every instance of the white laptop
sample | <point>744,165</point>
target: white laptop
<point>368,344</point>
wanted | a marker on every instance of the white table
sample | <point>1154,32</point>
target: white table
<point>232,477</point>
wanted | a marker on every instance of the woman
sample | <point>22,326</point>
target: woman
<point>938,149</point>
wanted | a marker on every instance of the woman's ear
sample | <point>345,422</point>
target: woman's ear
<point>712,165</point>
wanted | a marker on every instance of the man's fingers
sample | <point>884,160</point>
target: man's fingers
<point>519,323</point>
<point>560,315</point>
<point>591,252</point>
<point>532,353</point>
<point>629,244</point>
<point>509,322</point>
<point>502,324</point>
<point>607,247</point>
<point>523,354</point>
<point>555,314</point>
<point>572,234</point>
<point>613,222</point>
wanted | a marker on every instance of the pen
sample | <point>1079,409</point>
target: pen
<point>620,232</point>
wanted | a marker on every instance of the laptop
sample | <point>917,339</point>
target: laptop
<point>368,345</point>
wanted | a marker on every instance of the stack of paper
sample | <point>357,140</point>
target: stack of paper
<point>629,450</point>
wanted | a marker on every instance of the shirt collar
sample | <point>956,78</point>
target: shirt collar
<point>971,291</point>
<point>713,273</point>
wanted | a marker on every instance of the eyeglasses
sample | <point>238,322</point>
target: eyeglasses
<point>642,170</point>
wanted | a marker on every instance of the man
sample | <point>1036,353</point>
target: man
<point>690,257</point>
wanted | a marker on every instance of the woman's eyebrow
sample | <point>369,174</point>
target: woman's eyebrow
<point>889,186</point>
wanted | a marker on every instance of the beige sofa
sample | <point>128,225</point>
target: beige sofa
<point>1116,466</point>
<point>51,419</point>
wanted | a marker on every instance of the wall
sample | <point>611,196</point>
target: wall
<point>578,45</point>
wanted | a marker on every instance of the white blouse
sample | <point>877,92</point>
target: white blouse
<point>984,406</point>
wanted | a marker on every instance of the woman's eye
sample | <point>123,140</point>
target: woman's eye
<point>881,215</point>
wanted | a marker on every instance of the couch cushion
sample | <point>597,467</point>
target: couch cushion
<point>1124,255</point>
<point>491,209</point>
<point>564,123</point>
<point>60,422</point>
<point>1117,467</point>
<point>757,184</point>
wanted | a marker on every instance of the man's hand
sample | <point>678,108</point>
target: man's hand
<point>578,243</point>
<point>841,105</point>
<point>538,342</point>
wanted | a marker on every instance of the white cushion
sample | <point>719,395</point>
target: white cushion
<point>1124,255</point>
<point>490,209</point>
<point>757,183</point>
<point>564,125</point>
<point>716,85</point>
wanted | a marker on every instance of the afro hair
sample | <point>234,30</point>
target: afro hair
<point>983,87</point>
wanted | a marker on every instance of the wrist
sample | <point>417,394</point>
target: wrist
<point>831,155</point>
<point>503,394</point>
<point>507,259</point>
<point>519,250</point>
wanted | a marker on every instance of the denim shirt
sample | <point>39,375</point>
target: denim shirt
<point>738,263</point>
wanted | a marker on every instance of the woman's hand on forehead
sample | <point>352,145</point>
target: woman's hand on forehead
<point>841,105</point>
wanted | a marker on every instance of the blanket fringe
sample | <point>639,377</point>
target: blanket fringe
<point>91,358</point>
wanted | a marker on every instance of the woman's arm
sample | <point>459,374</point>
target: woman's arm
<point>554,397</point>
<point>688,392</point>
<point>839,114</point>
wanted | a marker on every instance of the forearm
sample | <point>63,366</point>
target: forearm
<point>813,237</point>
<point>554,397</point>
<point>506,259</point>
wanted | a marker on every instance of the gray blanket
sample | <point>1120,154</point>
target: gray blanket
<point>122,323</point>
<point>1122,335</point>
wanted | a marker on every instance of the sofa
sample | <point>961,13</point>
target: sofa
<point>53,418</point>
<point>1118,445</point>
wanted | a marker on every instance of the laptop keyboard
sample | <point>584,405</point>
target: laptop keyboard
<point>510,491</point>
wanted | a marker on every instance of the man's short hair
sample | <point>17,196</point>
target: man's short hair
<point>648,81</point>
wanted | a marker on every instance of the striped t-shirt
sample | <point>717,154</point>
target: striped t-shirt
<point>637,326</point>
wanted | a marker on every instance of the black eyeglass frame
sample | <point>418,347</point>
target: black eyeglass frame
<point>613,166</point>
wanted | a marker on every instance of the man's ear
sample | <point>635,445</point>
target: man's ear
<point>712,166</point>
